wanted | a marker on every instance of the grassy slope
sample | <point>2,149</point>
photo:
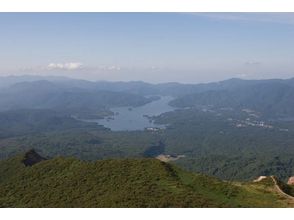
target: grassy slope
<point>68,182</point>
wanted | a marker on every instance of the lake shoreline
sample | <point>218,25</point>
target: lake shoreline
<point>136,118</point>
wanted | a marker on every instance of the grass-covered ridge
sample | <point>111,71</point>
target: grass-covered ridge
<point>69,182</point>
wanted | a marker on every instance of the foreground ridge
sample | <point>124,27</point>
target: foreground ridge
<point>69,182</point>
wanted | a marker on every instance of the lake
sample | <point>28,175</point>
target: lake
<point>130,118</point>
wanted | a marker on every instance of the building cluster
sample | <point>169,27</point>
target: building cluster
<point>248,122</point>
<point>154,129</point>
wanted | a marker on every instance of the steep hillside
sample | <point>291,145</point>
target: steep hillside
<point>55,96</point>
<point>273,99</point>
<point>68,182</point>
<point>27,121</point>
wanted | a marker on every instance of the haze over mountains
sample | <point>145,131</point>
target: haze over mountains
<point>146,110</point>
<point>234,130</point>
<point>271,97</point>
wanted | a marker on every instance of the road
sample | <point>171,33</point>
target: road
<point>280,190</point>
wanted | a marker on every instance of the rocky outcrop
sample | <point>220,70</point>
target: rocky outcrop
<point>31,158</point>
<point>291,181</point>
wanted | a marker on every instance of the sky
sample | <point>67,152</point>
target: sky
<point>151,47</point>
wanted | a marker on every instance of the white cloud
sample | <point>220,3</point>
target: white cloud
<point>65,66</point>
<point>111,68</point>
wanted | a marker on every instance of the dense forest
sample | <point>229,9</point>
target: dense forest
<point>30,180</point>
<point>234,129</point>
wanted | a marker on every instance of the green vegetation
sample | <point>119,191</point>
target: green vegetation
<point>87,102</point>
<point>84,144</point>
<point>211,144</point>
<point>30,121</point>
<point>289,189</point>
<point>215,146</point>
<point>68,182</point>
<point>272,99</point>
<point>205,132</point>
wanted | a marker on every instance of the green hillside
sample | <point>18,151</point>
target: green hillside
<point>69,182</point>
<point>272,99</point>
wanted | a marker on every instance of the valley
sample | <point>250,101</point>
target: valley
<point>146,109</point>
<point>136,120</point>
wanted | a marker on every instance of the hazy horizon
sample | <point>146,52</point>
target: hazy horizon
<point>149,47</point>
<point>146,110</point>
<point>101,80</point>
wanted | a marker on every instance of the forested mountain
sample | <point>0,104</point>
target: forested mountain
<point>234,129</point>
<point>70,100</point>
<point>30,121</point>
<point>31,181</point>
<point>142,88</point>
<point>273,99</point>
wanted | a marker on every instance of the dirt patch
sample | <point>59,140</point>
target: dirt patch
<point>168,158</point>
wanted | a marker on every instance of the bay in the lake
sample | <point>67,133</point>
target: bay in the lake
<point>130,118</point>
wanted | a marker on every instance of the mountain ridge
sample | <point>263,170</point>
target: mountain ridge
<point>68,182</point>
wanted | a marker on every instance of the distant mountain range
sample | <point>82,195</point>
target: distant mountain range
<point>140,87</point>
<point>234,129</point>
<point>65,98</point>
<point>271,97</point>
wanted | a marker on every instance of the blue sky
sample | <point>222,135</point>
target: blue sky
<point>153,47</point>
